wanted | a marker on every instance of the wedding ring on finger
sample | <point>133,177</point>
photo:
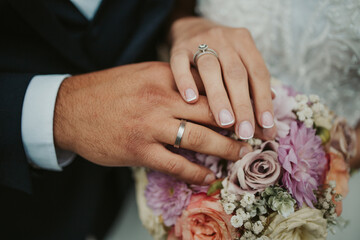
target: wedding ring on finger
<point>202,50</point>
<point>180,133</point>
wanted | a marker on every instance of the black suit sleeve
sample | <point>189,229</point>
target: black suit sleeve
<point>14,168</point>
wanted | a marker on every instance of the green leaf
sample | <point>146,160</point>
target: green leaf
<point>323,133</point>
<point>215,186</point>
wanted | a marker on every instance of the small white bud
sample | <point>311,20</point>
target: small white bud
<point>236,221</point>
<point>248,225</point>
<point>309,123</point>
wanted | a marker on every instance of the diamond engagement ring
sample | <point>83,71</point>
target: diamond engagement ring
<point>202,50</point>
<point>180,133</point>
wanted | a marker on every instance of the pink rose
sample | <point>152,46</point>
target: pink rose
<point>343,139</point>
<point>255,171</point>
<point>204,219</point>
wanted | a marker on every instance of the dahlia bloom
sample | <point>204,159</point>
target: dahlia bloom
<point>303,160</point>
<point>166,196</point>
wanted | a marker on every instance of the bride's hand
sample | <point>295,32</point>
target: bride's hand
<point>231,81</point>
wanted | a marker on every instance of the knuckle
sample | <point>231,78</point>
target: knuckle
<point>174,167</point>
<point>244,32</point>
<point>153,95</point>
<point>196,138</point>
<point>261,74</point>
<point>236,72</point>
<point>216,31</point>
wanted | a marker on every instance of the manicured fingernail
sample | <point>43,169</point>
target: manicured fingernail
<point>226,117</point>
<point>274,92</point>
<point>244,151</point>
<point>267,120</point>
<point>209,179</point>
<point>246,130</point>
<point>190,95</point>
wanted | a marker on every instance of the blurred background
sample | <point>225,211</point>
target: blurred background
<point>128,225</point>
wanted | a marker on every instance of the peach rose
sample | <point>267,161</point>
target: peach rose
<point>343,139</point>
<point>338,172</point>
<point>204,219</point>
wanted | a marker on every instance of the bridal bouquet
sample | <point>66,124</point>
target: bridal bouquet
<point>288,188</point>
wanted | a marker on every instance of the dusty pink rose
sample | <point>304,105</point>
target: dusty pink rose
<point>204,219</point>
<point>343,139</point>
<point>255,171</point>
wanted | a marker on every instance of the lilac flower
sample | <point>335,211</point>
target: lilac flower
<point>166,196</point>
<point>283,106</point>
<point>303,160</point>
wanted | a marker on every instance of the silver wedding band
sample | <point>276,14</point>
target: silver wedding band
<point>202,50</point>
<point>180,133</point>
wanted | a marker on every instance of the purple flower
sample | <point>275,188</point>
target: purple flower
<point>303,160</point>
<point>166,196</point>
<point>283,106</point>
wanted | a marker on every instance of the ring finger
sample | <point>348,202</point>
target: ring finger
<point>203,140</point>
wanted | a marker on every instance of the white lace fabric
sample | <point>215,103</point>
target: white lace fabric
<point>311,45</point>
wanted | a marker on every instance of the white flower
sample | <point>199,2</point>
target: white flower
<point>308,112</point>
<point>231,198</point>
<point>249,198</point>
<point>332,183</point>
<point>248,225</point>
<point>322,121</point>
<point>314,98</point>
<point>262,210</point>
<point>258,227</point>
<point>263,219</point>
<point>325,205</point>
<point>328,197</point>
<point>309,123</point>
<point>248,234</point>
<point>301,115</point>
<point>229,207</point>
<point>244,215</point>
<point>257,142</point>
<point>236,221</point>
<point>304,222</point>
<point>301,98</point>
<point>338,197</point>
<point>318,107</point>
<point>223,193</point>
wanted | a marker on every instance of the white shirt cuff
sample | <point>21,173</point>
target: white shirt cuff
<point>37,123</point>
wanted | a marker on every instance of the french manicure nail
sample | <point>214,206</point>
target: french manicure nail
<point>244,151</point>
<point>190,95</point>
<point>226,117</point>
<point>274,92</point>
<point>209,179</point>
<point>267,120</point>
<point>246,130</point>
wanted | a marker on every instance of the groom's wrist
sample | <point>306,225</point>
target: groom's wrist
<point>64,113</point>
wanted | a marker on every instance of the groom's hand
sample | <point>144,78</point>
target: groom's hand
<point>125,115</point>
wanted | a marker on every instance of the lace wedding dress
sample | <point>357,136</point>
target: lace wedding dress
<point>312,45</point>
